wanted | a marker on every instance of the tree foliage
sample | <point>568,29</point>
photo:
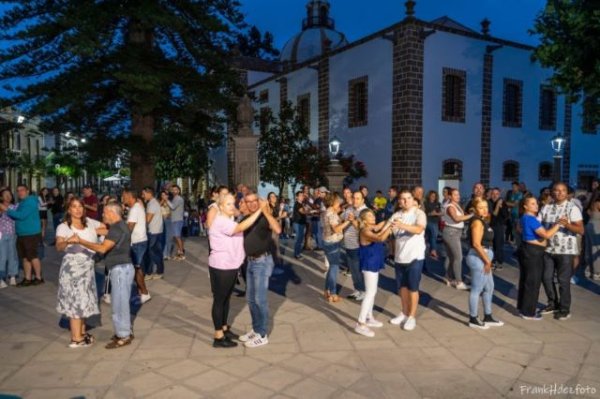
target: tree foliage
<point>118,69</point>
<point>283,146</point>
<point>569,32</point>
<point>255,44</point>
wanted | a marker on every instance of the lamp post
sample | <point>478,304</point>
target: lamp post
<point>335,173</point>
<point>558,145</point>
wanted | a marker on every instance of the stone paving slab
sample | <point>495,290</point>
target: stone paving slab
<point>313,350</point>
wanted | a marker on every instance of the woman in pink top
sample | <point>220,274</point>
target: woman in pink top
<point>226,256</point>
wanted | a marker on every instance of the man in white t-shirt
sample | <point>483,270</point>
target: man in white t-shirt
<point>409,256</point>
<point>154,254</point>
<point>561,250</point>
<point>136,221</point>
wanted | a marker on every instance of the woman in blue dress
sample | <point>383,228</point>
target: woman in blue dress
<point>372,260</point>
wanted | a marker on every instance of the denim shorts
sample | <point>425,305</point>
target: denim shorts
<point>177,227</point>
<point>137,253</point>
<point>409,274</point>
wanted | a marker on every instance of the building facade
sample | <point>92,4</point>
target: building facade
<point>421,102</point>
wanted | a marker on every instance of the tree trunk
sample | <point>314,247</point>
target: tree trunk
<point>142,123</point>
<point>142,166</point>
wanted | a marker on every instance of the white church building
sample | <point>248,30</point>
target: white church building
<point>421,102</point>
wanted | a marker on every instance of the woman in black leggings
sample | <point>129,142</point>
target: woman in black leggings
<point>226,256</point>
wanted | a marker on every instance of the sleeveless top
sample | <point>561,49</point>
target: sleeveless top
<point>372,257</point>
<point>487,240</point>
<point>448,220</point>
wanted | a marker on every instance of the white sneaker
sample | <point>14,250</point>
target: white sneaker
<point>354,295</point>
<point>410,324</point>
<point>106,298</point>
<point>257,341</point>
<point>595,276</point>
<point>13,281</point>
<point>398,320</point>
<point>374,323</point>
<point>462,286</point>
<point>3,284</point>
<point>364,330</point>
<point>248,336</point>
<point>360,296</point>
<point>145,298</point>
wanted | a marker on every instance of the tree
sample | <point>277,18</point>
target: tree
<point>113,68</point>
<point>253,44</point>
<point>282,146</point>
<point>569,31</point>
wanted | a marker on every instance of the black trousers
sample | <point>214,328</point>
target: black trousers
<point>531,267</point>
<point>562,266</point>
<point>221,283</point>
<point>499,231</point>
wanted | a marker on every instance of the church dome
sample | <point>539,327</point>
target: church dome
<point>318,33</point>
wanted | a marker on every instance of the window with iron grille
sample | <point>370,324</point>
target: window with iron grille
<point>545,171</point>
<point>454,83</point>
<point>358,102</point>
<point>452,169</point>
<point>512,107</point>
<point>510,171</point>
<point>264,119</point>
<point>588,125</point>
<point>547,108</point>
<point>263,96</point>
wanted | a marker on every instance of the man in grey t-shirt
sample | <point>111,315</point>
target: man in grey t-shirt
<point>177,205</point>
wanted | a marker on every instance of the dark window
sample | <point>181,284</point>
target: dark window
<point>264,115</point>
<point>37,148</point>
<point>19,141</point>
<point>547,108</point>
<point>452,169</point>
<point>358,102</point>
<point>545,171</point>
<point>513,103</point>
<point>586,178</point>
<point>510,171</point>
<point>588,125</point>
<point>263,96</point>
<point>304,110</point>
<point>454,95</point>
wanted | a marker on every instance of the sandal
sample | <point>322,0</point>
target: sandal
<point>118,342</point>
<point>79,344</point>
<point>89,338</point>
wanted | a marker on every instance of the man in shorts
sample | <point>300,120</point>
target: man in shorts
<point>28,227</point>
<point>177,205</point>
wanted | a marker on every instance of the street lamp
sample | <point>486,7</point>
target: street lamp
<point>558,145</point>
<point>334,147</point>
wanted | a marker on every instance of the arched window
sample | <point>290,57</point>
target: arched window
<point>545,171</point>
<point>452,169</point>
<point>510,171</point>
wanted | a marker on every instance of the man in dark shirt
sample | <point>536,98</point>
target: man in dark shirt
<point>57,207</point>
<point>90,203</point>
<point>257,245</point>
<point>299,223</point>
<point>118,261</point>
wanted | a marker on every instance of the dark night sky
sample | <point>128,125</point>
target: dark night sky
<point>357,18</point>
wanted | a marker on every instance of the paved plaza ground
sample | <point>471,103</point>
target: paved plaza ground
<point>313,351</point>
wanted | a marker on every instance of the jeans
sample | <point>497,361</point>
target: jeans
<point>221,284</point>
<point>481,282</point>
<point>258,274</point>
<point>121,279</point>
<point>138,250</point>
<point>9,261</point>
<point>154,255</point>
<point>431,231</point>
<point>366,307</point>
<point>317,232</point>
<point>562,266</point>
<point>453,262</point>
<point>332,253</point>
<point>168,238</point>
<point>531,267</point>
<point>353,259</point>
<point>299,233</point>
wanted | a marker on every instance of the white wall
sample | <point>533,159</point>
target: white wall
<point>445,140</point>
<point>526,144</point>
<point>370,143</point>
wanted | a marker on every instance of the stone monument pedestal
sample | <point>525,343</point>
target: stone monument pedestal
<point>335,176</point>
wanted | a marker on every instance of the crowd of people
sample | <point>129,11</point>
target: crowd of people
<point>555,238</point>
